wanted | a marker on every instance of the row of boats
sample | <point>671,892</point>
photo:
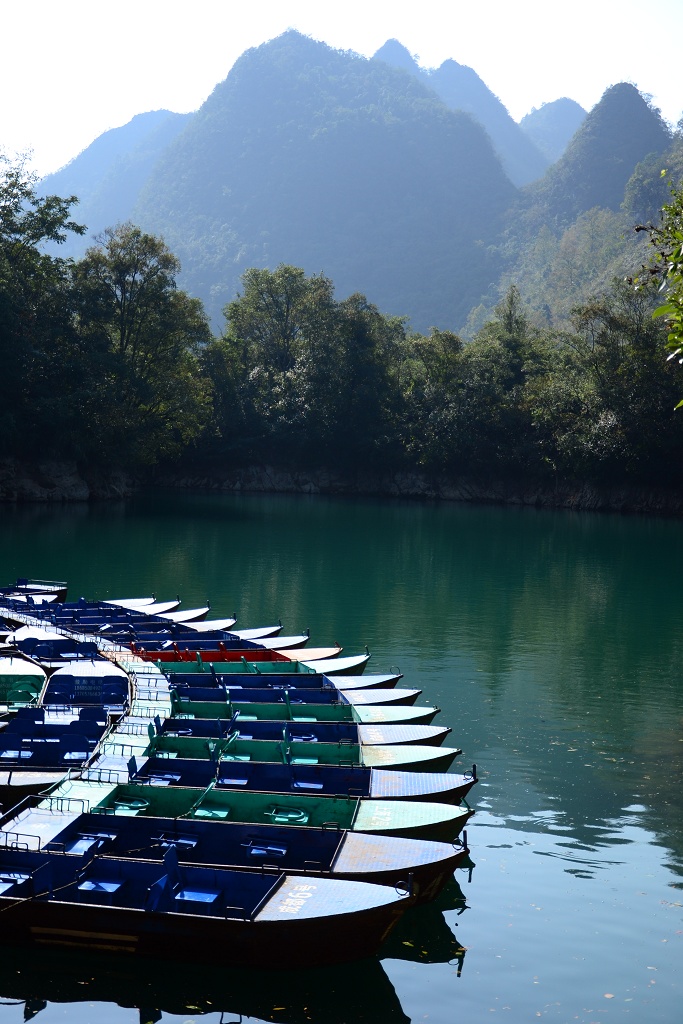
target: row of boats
<point>172,787</point>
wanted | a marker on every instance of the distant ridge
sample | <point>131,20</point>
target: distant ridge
<point>552,125</point>
<point>108,175</point>
<point>461,88</point>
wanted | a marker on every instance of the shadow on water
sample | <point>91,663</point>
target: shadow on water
<point>359,992</point>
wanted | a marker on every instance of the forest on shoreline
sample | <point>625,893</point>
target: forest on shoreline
<point>108,364</point>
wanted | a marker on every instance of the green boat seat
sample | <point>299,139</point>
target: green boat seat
<point>305,760</point>
<point>212,813</point>
<point>287,816</point>
<point>130,805</point>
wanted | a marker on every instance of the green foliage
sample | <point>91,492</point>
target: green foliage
<point>667,267</point>
<point>150,398</point>
<point>38,343</point>
<point>306,378</point>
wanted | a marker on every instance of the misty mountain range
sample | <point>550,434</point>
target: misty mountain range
<point>413,186</point>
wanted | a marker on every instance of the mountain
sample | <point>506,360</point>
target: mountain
<point>552,125</point>
<point>461,88</point>
<point>108,175</point>
<point>619,132</point>
<point>334,163</point>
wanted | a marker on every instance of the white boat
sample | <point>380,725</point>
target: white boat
<point>257,632</point>
<point>284,643</point>
<point>311,654</point>
<point>133,603</point>
<point>189,615</point>
<point>353,664</point>
<point>160,607</point>
<point>210,624</point>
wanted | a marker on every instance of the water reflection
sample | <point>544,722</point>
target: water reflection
<point>358,992</point>
<point>423,934</point>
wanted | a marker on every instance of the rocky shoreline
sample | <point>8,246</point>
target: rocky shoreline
<point>66,482</point>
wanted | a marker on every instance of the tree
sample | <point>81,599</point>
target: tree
<point>312,375</point>
<point>39,393</point>
<point>151,398</point>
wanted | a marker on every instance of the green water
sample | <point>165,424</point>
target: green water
<point>552,643</point>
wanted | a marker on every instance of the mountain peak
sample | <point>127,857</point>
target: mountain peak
<point>620,131</point>
<point>397,55</point>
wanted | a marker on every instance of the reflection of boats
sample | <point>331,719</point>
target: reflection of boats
<point>360,993</point>
<point>424,936</point>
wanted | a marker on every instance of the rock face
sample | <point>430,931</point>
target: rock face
<point>575,495</point>
<point>58,481</point>
<point>63,481</point>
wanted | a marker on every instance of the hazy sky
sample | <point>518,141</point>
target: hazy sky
<point>71,69</point>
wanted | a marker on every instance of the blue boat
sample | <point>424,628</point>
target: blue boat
<point>137,907</point>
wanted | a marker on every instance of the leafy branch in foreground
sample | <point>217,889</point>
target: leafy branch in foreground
<point>667,266</point>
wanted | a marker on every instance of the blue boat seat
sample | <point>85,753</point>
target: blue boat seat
<point>167,842</point>
<point>307,785</point>
<point>16,753</point>
<point>198,895</point>
<point>261,850</point>
<point>74,747</point>
<point>162,778</point>
<point>97,885</point>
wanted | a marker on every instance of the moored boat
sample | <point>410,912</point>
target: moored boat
<point>269,777</point>
<point>408,819</point>
<point>145,908</point>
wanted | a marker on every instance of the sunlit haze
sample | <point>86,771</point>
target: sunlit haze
<point>75,68</point>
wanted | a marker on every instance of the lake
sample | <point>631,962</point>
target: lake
<point>551,641</point>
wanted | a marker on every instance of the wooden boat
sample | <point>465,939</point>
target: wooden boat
<point>225,652</point>
<point>309,732</point>
<point>335,780</point>
<point>405,757</point>
<point>268,661</point>
<point>423,866</point>
<point>145,908</point>
<point>304,677</point>
<point>212,703</point>
<point>411,819</point>
<point>352,688</point>
<point>133,603</point>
